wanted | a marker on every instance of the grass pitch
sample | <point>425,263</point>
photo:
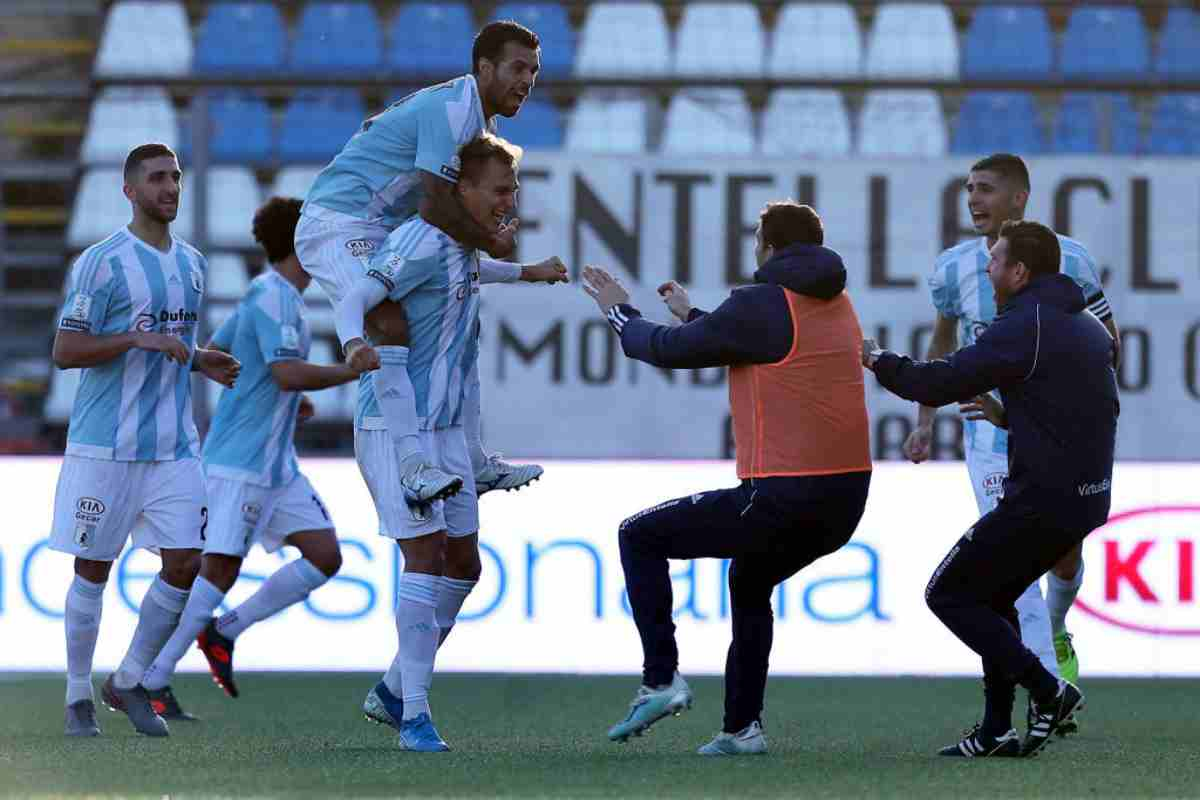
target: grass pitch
<point>543,736</point>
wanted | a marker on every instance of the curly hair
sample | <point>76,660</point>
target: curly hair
<point>275,227</point>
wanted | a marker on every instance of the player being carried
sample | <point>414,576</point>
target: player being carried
<point>255,488</point>
<point>403,163</point>
<point>997,191</point>
<point>438,281</point>
<point>132,464</point>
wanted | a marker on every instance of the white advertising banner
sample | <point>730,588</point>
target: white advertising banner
<point>552,594</point>
<point>551,368</point>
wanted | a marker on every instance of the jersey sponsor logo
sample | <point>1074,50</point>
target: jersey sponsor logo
<point>360,248</point>
<point>89,509</point>
<point>450,172</point>
<point>179,322</point>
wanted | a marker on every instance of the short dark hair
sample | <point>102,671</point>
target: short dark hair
<point>275,227</point>
<point>477,152</point>
<point>1033,244</point>
<point>145,152</point>
<point>1007,166</point>
<point>490,41</point>
<point>787,222</point>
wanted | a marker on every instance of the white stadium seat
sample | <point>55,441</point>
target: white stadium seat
<point>624,38</point>
<point>123,118</point>
<point>330,404</point>
<point>800,122</point>
<point>145,38</point>
<point>100,207</point>
<point>733,30</point>
<point>613,122</point>
<point>63,385</point>
<point>913,40</point>
<point>709,122</point>
<point>233,197</point>
<point>294,181</point>
<point>818,40</point>
<point>902,123</point>
<point>227,277</point>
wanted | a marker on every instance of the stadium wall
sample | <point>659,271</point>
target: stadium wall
<point>552,597</point>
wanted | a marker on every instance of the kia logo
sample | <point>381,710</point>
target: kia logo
<point>1142,571</point>
<point>90,505</point>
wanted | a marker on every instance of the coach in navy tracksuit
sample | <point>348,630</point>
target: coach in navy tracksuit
<point>1053,364</point>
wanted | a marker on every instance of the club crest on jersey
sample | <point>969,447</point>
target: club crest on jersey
<point>289,337</point>
<point>198,281</point>
<point>251,513</point>
<point>360,248</point>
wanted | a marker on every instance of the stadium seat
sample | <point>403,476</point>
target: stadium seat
<point>431,39</point>
<point>913,40</point>
<point>997,122</point>
<point>549,21</point>
<point>732,29</point>
<point>538,127</point>
<point>608,122</point>
<point>1013,42</point>
<point>798,122</point>
<point>233,197</point>
<point>624,38</point>
<point>240,130</point>
<point>227,277</point>
<point>1088,49</point>
<point>145,37</point>
<point>1091,122</point>
<point>1175,126</point>
<point>64,385</point>
<point>819,40</point>
<point>708,122</point>
<point>337,39</point>
<point>316,125</point>
<point>241,39</point>
<point>122,118</point>
<point>100,207</point>
<point>330,404</point>
<point>1179,45</point>
<point>294,181</point>
<point>902,123</point>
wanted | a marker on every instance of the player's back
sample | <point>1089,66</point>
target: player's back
<point>137,406</point>
<point>377,175</point>
<point>251,435</point>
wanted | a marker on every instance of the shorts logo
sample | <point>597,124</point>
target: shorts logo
<point>993,484</point>
<point>89,509</point>
<point>84,535</point>
<point>360,248</point>
<point>251,513</point>
<point>696,498</point>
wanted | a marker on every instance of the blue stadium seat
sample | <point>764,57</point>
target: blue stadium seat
<point>991,122</point>
<point>239,127</point>
<point>337,38</point>
<point>1092,122</point>
<point>240,38</point>
<point>1175,126</point>
<point>539,126</point>
<point>1179,45</point>
<point>432,39</point>
<point>316,125</point>
<point>1105,42</point>
<point>549,22</point>
<point>1008,42</point>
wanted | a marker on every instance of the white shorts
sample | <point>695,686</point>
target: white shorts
<point>98,504</point>
<point>987,471</point>
<point>335,248</point>
<point>240,514</point>
<point>445,448</point>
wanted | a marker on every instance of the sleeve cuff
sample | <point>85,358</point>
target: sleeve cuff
<point>619,314</point>
<point>695,314</point>
<point>1098,305</point>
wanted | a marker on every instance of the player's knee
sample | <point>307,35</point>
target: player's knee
<point>93,571</point>
<point>181,567</point>
<point>221,570</point>
<point>327,559</point>
<point>464,567</point>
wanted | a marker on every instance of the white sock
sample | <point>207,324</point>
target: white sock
<point>290,584</point>
<point>472,421</point>
<point>398,402</point>
<point>411,672</point>
<point>452,592</point>
<point>85,602</point>
<point>1060,595</point>
<point>201,604</point>
<point>161,608</point>
<point>1035,626</point>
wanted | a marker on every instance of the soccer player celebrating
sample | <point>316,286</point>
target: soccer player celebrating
<point>400,164</point>
<point>997,191</point>
<point>1053,365</point>
<point>438,281</point>
<point>132,461</point>
<point>803,458</point>
<point>255,488</point>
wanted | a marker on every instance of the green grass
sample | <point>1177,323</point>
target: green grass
<point>541,736</point>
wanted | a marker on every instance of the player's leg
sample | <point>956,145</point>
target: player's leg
<point>1062,586</point>
<point>490,471</point>
<point>85,602</point>
<point>463,567</point>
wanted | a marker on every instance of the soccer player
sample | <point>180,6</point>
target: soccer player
<point>132,463</point>
<point>997,191</point>
<point>438,281</point>
<point>1053,364</point>
<point>803,459</point>
<point>255,488</point>
<point>402,163</point>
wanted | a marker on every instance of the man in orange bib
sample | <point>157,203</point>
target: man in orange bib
<point>803,457</point>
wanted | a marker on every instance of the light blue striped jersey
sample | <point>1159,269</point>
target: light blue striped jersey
<point>377,176</point>
<point>251,438</point>
<point>438,282</point>
<point>963,291</point>
<point>138,406</point>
